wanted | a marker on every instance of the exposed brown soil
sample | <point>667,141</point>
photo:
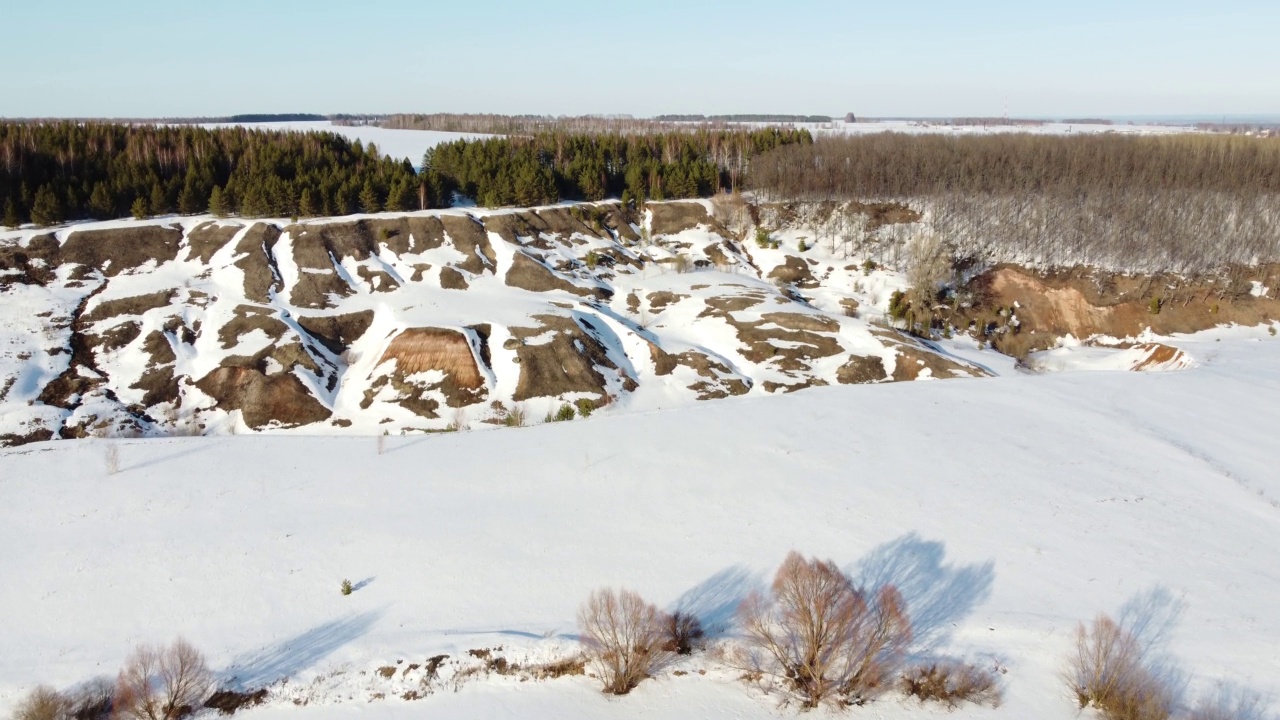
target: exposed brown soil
<point>337,332</point>
<point>121,249</point>
<point>470,238</point>
<point>208,238</point>
<point>418,350</point>
<point>527,273</point>
<point>565,362</point>
<point>451,279</point>
<point>861,369</point>
<point>263,399</point>
<point>258,262</point>
<point>136,305</point>
<point>247,319</point>
<point>794,272</point>
<point>1084,302</point>
<point>670,218</point>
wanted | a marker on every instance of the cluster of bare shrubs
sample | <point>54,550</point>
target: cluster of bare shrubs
<point>951,682</point>
<point>1127,203</point>
<point>156,683</point>
<point>814,635</point>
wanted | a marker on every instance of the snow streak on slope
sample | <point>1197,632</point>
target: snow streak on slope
<point>1006,508</point>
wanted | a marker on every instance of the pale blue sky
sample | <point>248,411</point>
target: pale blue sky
<point>149,58</point>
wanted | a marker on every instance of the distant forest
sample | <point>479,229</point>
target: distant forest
<point>746,118</point>
<point>581,124</point>
<point>70,171</point>
<point>554,166</point>
<point>1175,202</point>
<point>50,173</point>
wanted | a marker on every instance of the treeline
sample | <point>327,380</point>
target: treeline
<point>1180,202</point>
<point>69,171</point>
<point>746,118</point>
<point>538,124</point>
<point>549,167</point>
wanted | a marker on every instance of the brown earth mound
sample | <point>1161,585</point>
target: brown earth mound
<point>470,238</point>
<point>1084,302</point>
<point>560,357</point>
<point>121,249</point>
<point>258,261</point>
<point>527,273</point>
<point>337,332</point>
<point>419,350</point>
<point>136,305</point>
<point>208,238</point>
<point>263,399</point>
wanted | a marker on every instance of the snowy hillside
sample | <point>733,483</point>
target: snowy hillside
<point>1006,508</point>
<point>427,321</point>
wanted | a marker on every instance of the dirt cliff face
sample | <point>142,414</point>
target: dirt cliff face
<point>1021,310</point>
<point>421,321</point>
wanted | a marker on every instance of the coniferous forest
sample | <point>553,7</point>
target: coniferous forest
<point>54,172</point>
<point>548,167</point>
<point>70,171</point>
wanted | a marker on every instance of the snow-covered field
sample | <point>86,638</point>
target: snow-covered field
<point>1006,508</point>
<point>399,144</point>
<point>412,144</point>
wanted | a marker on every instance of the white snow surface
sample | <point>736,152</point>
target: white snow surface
<point>398,144</point>
<point>1007,509</point>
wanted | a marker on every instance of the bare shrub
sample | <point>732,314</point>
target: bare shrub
<point>515,417</point>
<point>1107,669</point>
<point>929,267</point>
<point>624,638</point>
<point>821,637</point>
<point>43,703</point>
<point>951,683</point>
<point>1230,703</point>
<point>162,683</point>
<point>111,459</point>
<point>733,213</point>
<point>683,633</point>
<point>93,700</point>
<point>227,702</point>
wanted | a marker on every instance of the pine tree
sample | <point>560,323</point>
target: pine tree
<point>218,204</point>
<point>102,205</point>
<point>307,205</point>
<point>369,198</point>
<point>45,208</point>
<point>140,209</point>
<point>11,214</point>
<point>159,202</point>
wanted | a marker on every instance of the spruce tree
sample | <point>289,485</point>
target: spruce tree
<point>159,202</point>
<point>307,205</point>
<point>218,204</point>
<point>369,198</point>
<point>140,209</point>
<point>11,214</point>
<point>45,208</point>
<point>102,205</point>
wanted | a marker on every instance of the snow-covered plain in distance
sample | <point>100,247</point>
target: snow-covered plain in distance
<point>943,127</point>
<point>399,144</point>
<point>1007,509</point>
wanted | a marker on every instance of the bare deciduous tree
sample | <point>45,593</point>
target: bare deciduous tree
<point>1108,669</point>
<point>162,683</point>
<point>823,638</point>
<point>624,638</point>
<point>43,703</point>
